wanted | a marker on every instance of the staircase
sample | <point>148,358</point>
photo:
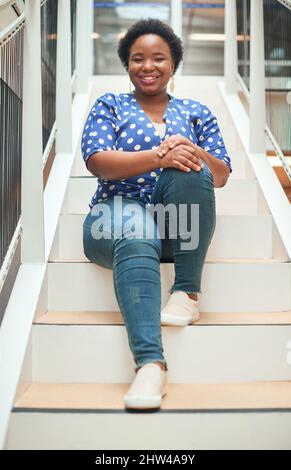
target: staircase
<point>229,378</point>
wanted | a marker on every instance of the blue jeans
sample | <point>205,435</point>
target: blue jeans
<point>135,260</point>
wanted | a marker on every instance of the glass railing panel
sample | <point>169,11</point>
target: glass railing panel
<point>203,37</point>
<point>48,67</point>
<point>11,83</point>
<point>277,32</point>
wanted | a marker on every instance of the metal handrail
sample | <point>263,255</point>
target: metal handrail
<point>286,3</point>
<point>49,144</point>
<point>12,29</point>
<point>4,270</point>
<point>6,3</point>
<point>16,5</point>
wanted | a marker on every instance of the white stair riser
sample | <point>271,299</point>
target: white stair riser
<point>226,287</point>
<point>196,354</point>
<point>229,199</point>
<point>168,431</point>
<point>234,237</point>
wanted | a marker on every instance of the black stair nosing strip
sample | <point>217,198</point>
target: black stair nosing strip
<point>173,411</point>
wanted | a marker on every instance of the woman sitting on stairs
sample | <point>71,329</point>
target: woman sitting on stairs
<point>147,147</point>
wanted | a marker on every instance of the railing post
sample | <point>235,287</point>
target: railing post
<point>32,208</point>
<point>63,85</point>
<point>230,47</point>
<point>176,24</point>
<point>83,45</point>
<point>257,79</point>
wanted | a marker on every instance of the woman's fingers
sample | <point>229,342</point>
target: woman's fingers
<point>191,160</point>
<point>172,142</point>
<point>190,164</point>
<point>166,146</point>
<point>169,145</point>
<point>186,164</point>
<point>181,167</point>
<point>184,156</point>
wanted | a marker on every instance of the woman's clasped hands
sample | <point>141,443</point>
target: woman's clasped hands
<point>179,152</point>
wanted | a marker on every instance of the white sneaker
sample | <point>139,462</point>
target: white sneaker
<point>180,310</point>
<point>147,388</point>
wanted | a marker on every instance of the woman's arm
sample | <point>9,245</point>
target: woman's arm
<point>218,168</point>
<point>116,165</point>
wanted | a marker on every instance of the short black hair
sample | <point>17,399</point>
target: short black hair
<point>150,26</point>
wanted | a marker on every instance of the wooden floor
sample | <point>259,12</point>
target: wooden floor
<point>220,396</point>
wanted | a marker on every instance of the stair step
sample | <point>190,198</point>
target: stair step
<point>206,318</point>
<point>252,235</point>
<point>227,286</point>
<point>229,198</point>
<point>216,261</point>
<point>100,396</point>
<point>192,416</point>
<point>202,352</point>
<point>245,429</point>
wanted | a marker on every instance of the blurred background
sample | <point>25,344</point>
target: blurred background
<point>202,33</point>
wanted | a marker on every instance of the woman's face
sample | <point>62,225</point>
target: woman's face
<point>150,56</point>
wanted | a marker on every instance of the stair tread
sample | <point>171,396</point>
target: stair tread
<point>208,261</point>
<point>115,318</point>
<point>191,396</point>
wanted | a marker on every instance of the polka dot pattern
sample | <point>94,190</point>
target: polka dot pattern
<point>117,122</point>
<point>209,135</point>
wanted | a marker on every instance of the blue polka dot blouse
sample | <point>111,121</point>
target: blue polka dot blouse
<point>117,122</point>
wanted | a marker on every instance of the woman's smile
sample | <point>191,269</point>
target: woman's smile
<point>148,80</point>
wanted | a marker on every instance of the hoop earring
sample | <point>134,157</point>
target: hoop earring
<point>130,90</point>
<point>172,85</point>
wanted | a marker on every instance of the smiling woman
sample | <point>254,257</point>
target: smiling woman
<point>150,67</point>
<point>151,59</point>
<point>152,148</point>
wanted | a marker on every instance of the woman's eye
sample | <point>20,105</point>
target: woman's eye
<point>138,60</point>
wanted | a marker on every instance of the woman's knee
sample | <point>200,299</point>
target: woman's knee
<point>184,179</point>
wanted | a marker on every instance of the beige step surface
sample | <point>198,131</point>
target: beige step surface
<point>115,318</point>
<point>100,396</point>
